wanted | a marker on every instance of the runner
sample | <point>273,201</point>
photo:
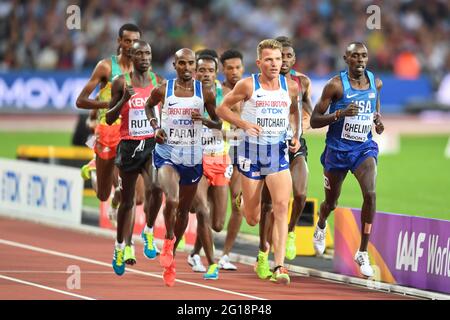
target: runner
<point>178,153</point>
<point>134,153</point>
<point>210,202</point>
<point>270,102</point>
<point>352,100</point>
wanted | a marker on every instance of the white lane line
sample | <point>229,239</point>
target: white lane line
<point>100,263</point>
<point>45,287</point>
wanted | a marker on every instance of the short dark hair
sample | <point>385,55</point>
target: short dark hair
<point>207,57</point>
<point>207,52</point>
<point>230,54</point>
<point>129,27</point>
<point>285,41</point>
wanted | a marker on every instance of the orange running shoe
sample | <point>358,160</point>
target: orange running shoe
<point>166,256</point>
<point>169,274</point>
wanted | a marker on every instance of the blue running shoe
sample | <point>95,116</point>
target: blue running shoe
<point>118,262</point>
<point>212,273</point>
<point>150,250</point>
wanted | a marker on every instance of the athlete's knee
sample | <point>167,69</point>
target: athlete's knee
<point>329,205</point>
<point>280,206</point>
<point>252,220</point>
<point>217,226</point>
<point>139,199</point>
<point>202,214</point>
<point>172,201</point>
<point>299,197</point>
<point>103,195</point>
<point>126,206</point>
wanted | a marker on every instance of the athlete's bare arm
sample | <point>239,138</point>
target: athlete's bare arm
<point>294,115</point>
<point>306,94</point>
<point>120,94</point>
<point>157,96</point>
<point>379,127</point>
<point>241,92</point>
<point>100,75</point>
<point>333,91</point>
<point>210,104</point>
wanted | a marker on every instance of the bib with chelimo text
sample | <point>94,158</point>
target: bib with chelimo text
<point>357,127</point>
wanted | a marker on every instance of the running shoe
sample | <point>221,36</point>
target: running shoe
<point>86,169</point>
<point>224,263</point>
<point>118,263</point>
<point>150,249</point>
<point>213,272</point>
<point>129,256</point>
<point>196,263</point>
<point>169,274</point>
<point>291,249</point>
<point>362,259</point>
<point>262,265</point>
<point>166,256</point>
<point>238,201</point>
<point>280,275</point>
<point>319,239</point>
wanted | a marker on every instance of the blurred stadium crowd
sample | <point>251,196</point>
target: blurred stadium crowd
<point>413,38</point>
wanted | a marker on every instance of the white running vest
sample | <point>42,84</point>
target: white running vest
<point>184,144</point>
<point>270,110</point>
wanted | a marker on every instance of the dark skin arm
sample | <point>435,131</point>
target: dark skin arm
<point>333,91</point>
<point>379,127</point>
<point>210,104</point>
<point>157,96</point>
<point>294,115</point>
<point>99,75</point>
<point>120,94</point>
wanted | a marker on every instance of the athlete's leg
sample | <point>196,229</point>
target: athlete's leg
<point>234,223</point>
<point>105,177</point>
<point>218,196</point>
<point>251,195</point>
<point>169,178</point>
<point>366,175</point>
<point>280,187</point>
<point>153,194</point>
<point>204,233</point>
<point>299,173</point>
<point>186,195</point>
<point>265,230</point>
<point>140,191</point>
<point>333,186</point>
<point>124,219</point>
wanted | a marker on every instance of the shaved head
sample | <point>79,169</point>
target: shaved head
<point>353,46</point>
<point>184,52</point>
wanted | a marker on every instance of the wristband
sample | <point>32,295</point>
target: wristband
<point>337,115</point>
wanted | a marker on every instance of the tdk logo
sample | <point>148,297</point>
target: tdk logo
<point>10,187</point>
<point>61,200</point>
<point>36,191</point>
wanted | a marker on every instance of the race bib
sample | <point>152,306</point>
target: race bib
<point>357,128</point>
<point>273,121</point>
<point>212,141</point>
<point>138,124</point>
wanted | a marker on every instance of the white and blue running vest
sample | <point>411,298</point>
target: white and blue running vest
<point>270,110</point>
<point>351,133</point>
<point>184,144</point>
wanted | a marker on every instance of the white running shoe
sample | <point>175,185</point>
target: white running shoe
<point>224,263</point>
<point>112,215</point>
<point>362,259</point>
<point>196,263</point>
<point>319,239</point>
